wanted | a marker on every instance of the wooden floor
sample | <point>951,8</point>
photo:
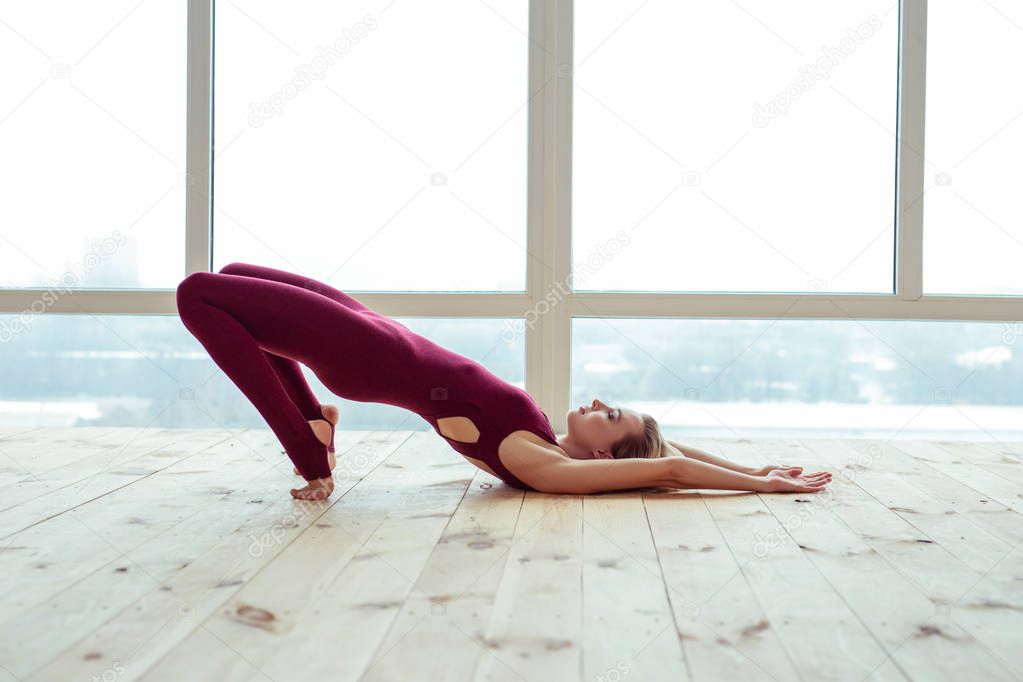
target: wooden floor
<point>178,555</point>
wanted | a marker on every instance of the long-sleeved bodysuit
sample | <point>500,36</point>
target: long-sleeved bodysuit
<point>258,323</point>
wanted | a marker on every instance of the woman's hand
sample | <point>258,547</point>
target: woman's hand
<point>782,480</point>
<point>766,469</point>
<point>316,489</point>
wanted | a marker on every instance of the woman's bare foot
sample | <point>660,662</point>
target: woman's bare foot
<point>317,489</point>
<point>322,431</point>
<point>331,414</point>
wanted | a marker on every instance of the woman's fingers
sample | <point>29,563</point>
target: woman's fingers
<point>812,483</point>
<point>810,486</point>
<point>809,478</point>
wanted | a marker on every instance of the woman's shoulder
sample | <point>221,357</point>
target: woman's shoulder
<point>526,443</point>
<point>530,458</point>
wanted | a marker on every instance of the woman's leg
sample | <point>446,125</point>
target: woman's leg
<point>238,318</point>
<point>290,375</point>
<point>263,272</point>
<point>288,371</point>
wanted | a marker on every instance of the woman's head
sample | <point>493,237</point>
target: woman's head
<point>601,431</point>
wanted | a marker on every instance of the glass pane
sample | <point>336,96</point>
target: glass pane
<point>149,371</point>
<point>807,378</point>
<point>720,147</point>
<point>973,220</point>
<point>92,133</point>
<point>374,146</point>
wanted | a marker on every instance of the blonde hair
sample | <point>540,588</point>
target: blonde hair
<point>648,444</point>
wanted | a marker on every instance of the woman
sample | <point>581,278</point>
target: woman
<point>258,323</point>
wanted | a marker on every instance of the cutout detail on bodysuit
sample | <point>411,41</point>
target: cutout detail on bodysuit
<point>461,429</point>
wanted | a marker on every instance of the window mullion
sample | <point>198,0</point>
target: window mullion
<point>547,321</point>
<point>910,151</point>
<point>560,332</point>
<point>199,138</point>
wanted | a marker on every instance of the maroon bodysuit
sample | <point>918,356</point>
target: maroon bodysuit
<point>257,323</point>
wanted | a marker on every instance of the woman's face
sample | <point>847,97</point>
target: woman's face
<point>596,426</point>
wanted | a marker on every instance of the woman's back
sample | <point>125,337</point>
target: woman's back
<point>436,383</point>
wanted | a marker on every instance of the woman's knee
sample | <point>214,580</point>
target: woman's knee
<point>192,286</point>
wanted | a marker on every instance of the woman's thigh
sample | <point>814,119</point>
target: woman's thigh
<point>273,274</point>
<point>345,348</point>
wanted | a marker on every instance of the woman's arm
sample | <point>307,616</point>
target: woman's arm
<point>538,468</point>
<point>695,453</point>
<point>585,476</point>
<point>702,456</point>
<point>535,466</point>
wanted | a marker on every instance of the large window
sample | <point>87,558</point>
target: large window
<point>148,371</point>
<point>374,147</point>
<point>973,224</point>
<point>736,151</point>
<point>92,140</point>
<point>885,379</point>
<point>814,201</point>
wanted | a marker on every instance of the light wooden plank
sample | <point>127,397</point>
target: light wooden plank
<point>9,431</point>
<point>823,637</point>
<point>157,545</point>
<point>147,455</point>
<point>634,636</point>
<point>722,625</point>
<point>131,447</point>
<point>30,452</point>
<point>440,630</point>
<point>1007,492</point>
<point>720,622</point>
<point>142,632</point>
<point>535,631</point>
<point>983,606</point>
<point>342,581</point>
<point>983,452</point>
<point>425,579</point>
<point>996,458</point>
<point>31,487</point>
<point>877,578</point>
<point>997,519</point>
<point>872,465</point>
<point>69,546</point>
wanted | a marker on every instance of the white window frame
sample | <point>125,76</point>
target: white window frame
<point>549,305</point>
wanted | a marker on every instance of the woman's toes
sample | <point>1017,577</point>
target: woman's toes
<point>314,490</point>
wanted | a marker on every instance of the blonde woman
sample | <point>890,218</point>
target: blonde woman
<point>259,323</point>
